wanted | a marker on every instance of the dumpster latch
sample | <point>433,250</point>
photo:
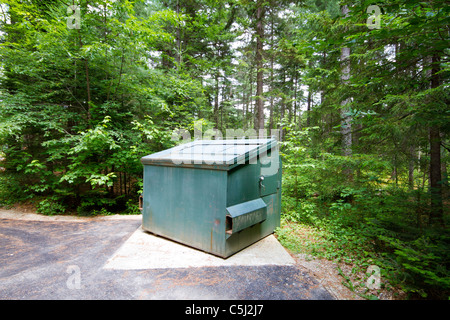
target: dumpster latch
<point>261,185</point>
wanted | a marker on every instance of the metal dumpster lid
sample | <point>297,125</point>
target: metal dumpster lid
<point>212,154</point>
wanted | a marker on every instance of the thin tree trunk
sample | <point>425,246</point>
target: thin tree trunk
<point>216,100</point>
<point>435,175</point>
<point>106,47</point>
<point>88,86</point>
<point>221,108</point>
<point>178,38</point>
<point>283,109</point>
<point>244,105</point>
<point>252,114</point>
<point>295,96</point>
<point>259,123</point>
<point>271,72</point>
<point>308,108</point>
<point>120,71</point>
<point>346,129</point>
<point>411,167</point>
<point>345,119</point>
<point>125,182</point>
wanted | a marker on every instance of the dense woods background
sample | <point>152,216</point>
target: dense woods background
<point>363,114</point>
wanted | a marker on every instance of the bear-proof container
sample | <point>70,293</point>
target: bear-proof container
<point>218,196</point>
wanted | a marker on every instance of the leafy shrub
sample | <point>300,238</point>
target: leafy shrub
<point>51,206</point>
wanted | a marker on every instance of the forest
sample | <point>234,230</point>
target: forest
<point>357,92</point>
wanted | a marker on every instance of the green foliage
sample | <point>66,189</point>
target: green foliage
<point>80,107</point>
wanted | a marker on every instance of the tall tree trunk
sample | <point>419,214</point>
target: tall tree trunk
<point>178,57</point>
<point>105,39</point>
<point>252,114</point>
<point>436,216</point>
<point>88,88</point>
<point>346,129</point>
<point>259,121</point>
<point>271,72</point>
<point>283,108</point>
<point>244,106</point>
<point>308,106</point>
<point>345,119</point>
<point>295,96</point>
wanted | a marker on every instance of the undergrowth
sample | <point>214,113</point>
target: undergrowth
<point>354,211</point>
<point>362,226</point>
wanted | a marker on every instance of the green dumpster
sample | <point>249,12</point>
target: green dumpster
<point>218,196</point>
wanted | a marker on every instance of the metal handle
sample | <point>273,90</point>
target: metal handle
<point>261,180</point>
<point>140,203</point>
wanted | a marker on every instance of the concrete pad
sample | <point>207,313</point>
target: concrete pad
<point>147,251</point>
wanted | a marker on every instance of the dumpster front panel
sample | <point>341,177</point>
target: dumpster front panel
<point>186,205</point>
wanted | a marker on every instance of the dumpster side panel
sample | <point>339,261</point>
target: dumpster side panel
<point>186,205</point>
